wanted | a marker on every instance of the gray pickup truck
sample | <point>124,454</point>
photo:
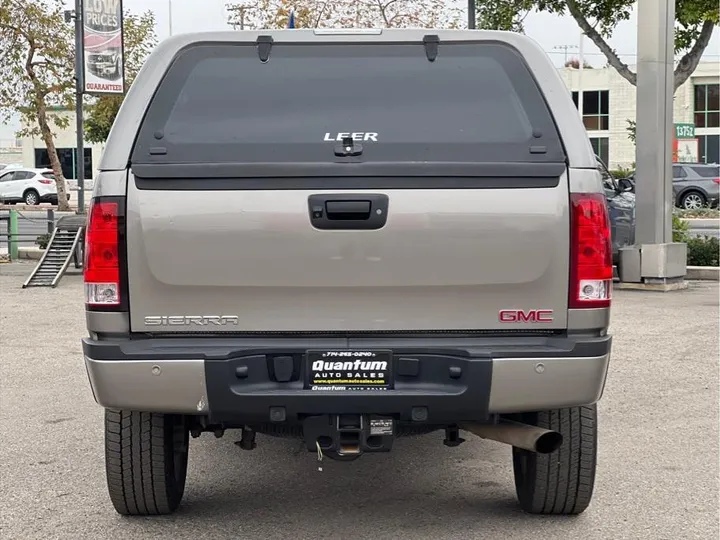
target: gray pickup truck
<point>348,237</point>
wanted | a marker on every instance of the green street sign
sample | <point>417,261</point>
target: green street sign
<point>684,131</point>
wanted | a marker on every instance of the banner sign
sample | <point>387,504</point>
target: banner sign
<point>685,151</point>
<point>103,67</point>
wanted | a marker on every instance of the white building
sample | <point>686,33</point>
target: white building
<point>609,102</point>
<point>34,152</point>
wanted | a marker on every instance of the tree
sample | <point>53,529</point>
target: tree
<point>139,39</point>
<point>631,129</point>
<point>255,14</point>
<point>37,72</point>
<point>695,22</point>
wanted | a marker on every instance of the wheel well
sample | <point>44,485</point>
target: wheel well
<point>28,190</point>
<point>691,190</point>
<point>686,191</point>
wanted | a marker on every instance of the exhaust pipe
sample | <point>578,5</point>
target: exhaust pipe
<point>527,437</point>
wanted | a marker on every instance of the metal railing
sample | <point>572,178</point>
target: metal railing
<point>14,226</point>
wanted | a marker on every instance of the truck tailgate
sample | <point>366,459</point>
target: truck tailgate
<point>240,139</point>
<point>445,260</point>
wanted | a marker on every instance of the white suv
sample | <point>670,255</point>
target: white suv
<point>30,186</point>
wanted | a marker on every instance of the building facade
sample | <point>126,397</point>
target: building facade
<point>34,151</point>
<point>609,102</point>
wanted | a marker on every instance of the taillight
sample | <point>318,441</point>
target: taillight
<point>591,271</point>
<point>102,254</point>
<point>716,180</point>
<point>46,182</point>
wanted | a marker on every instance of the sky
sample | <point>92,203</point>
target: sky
<point>550,31</point>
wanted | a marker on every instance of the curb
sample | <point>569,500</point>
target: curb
<point>703,273</point>
<point>36,208</point>
<point>709,224</point>
<point>30,253</point>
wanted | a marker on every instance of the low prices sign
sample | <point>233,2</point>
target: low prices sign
<point>685,145</point>
<point>103,66</point>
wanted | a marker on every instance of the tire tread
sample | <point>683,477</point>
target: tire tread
<point>562,482</point>
<point>139,457</point>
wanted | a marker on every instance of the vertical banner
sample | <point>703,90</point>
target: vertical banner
<point>103,67</point>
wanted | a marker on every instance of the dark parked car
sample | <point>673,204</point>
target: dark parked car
<point>621,206</point>
<point>695,185</point>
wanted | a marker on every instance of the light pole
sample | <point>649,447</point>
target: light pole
<point>77,16</point>
<point>655,261</point>
<point>471,14</point>
<point>170,16</point>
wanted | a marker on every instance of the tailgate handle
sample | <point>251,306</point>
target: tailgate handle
<point>347,209</point>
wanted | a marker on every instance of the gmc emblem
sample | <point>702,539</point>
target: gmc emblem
<point>529,316</point>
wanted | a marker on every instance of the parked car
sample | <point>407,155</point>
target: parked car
<point>4,166</point>
<point>695,185</point>
<point>29,186</point>
<point>415,238</point>
<point>620,196</point>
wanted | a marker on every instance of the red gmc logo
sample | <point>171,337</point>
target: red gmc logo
<point>529,316</point>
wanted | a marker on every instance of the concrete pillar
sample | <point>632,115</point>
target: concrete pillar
<point>654,260</point>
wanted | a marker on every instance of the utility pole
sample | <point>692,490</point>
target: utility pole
<point>581,67</point>
<point>471,14</point>
<point>564,47</point>
<point>654,261</point>
<point>79,92</point>
<point>241,11</point>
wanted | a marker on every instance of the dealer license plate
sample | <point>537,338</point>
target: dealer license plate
<point>344,370</point>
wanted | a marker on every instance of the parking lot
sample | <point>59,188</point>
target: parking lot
<point>658,462</point>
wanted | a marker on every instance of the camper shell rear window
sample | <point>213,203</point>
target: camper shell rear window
<point>477,102</point>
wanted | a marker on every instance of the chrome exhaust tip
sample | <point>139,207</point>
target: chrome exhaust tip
<point>527,437</point>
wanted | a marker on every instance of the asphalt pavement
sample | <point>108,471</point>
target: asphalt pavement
<point>658,457</point>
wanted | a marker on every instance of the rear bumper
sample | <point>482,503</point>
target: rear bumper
<point>233,381</point>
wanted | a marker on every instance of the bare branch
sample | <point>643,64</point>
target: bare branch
<point>590,31</point>
<point>383,13</point>
<point>691,59</point>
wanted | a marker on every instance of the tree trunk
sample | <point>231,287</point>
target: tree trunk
<point>63,204</point>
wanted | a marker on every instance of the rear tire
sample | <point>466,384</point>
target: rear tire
<point>560,483</point>
<point>146,457</point>
<point>693,200</point>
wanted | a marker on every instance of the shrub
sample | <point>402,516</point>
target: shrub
<point>707,213</point>
<point>621,172</point>
<point>43,240</point>
<point>680,229</point>
<point>703,251</point>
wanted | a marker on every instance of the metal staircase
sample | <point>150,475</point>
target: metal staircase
<point>65,245</point>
